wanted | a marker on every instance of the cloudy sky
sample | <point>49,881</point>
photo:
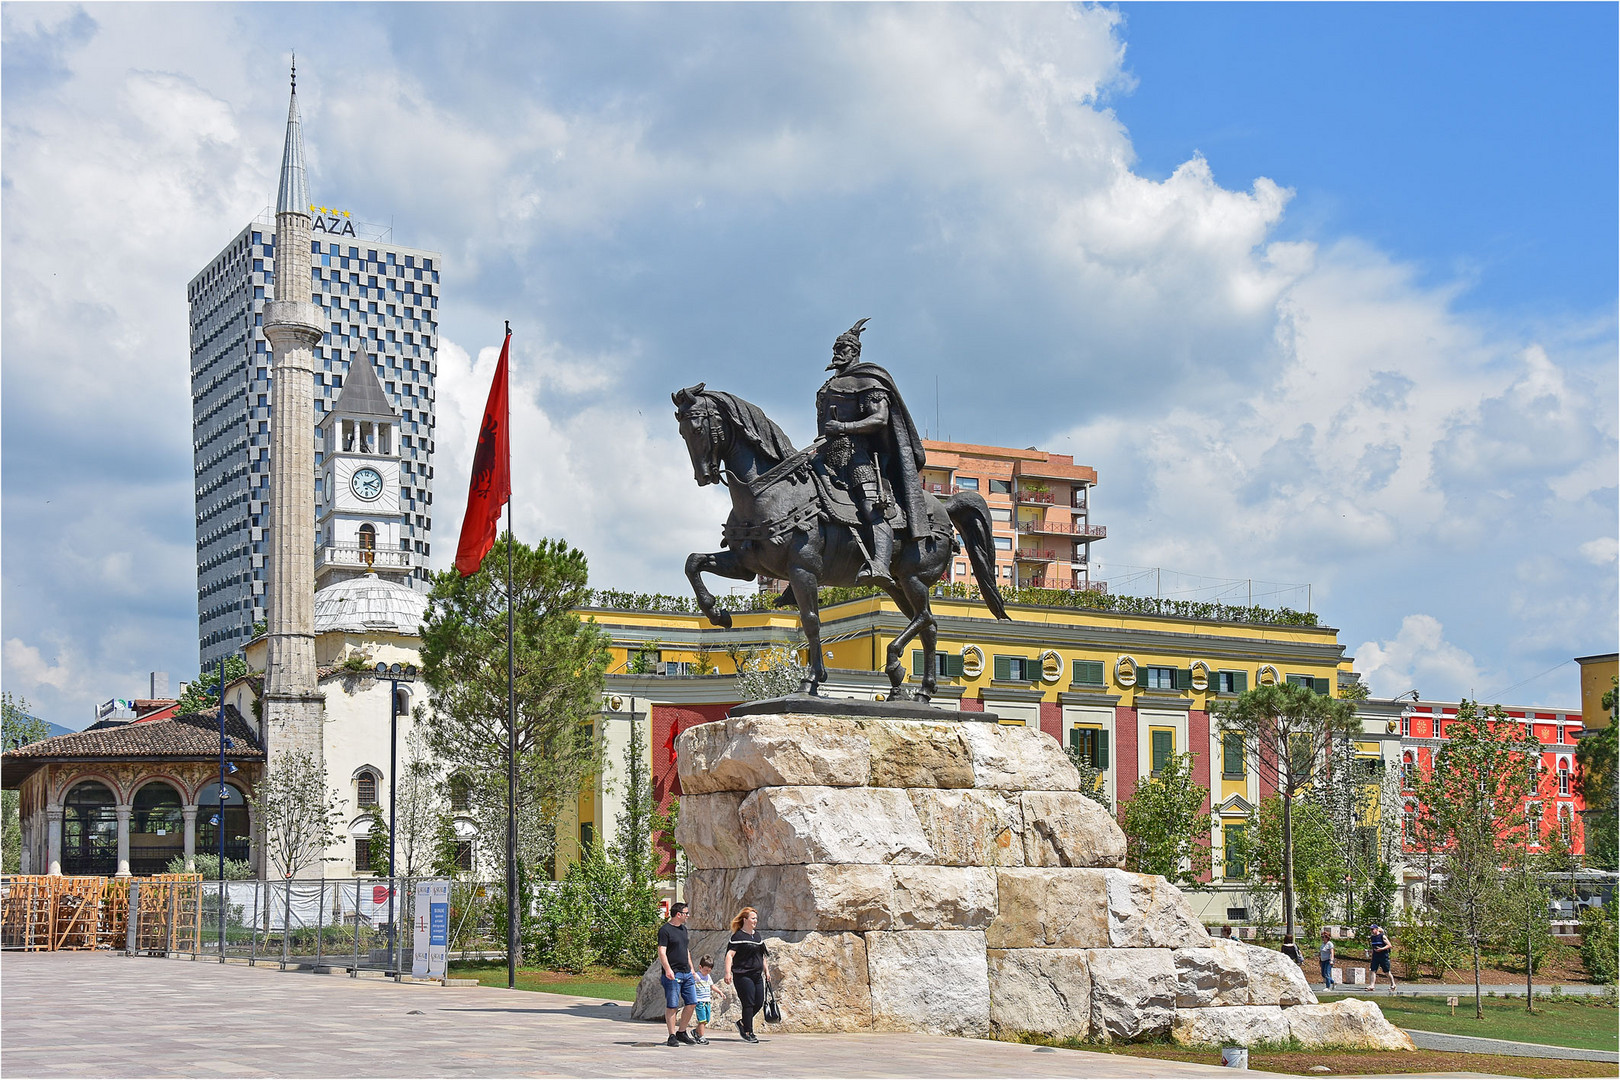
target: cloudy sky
<point>1327,294</point>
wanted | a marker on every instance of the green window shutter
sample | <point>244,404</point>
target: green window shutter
<point>953,664</point>
<point>1240,681</point>
<point>1234,863</point>
<point>1163,747</point>
<point>1088,672</point>
<point>1232,745</point>
<point>1321,686</point>
<point>1003,668</point>
<point>1102,749</point>
<point>1074,737</point>
<point>916,663</point>
<point>1032,669</point>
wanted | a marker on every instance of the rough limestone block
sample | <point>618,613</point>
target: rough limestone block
<point>852,897</point>
<point>1050,907</point>
<point>1234,1025</point>
<point>1017,757</point>
<point>1216,975</point>
<point>1133,992</point>
<point>714,896</point>
<point>1350,1023</point>
<point>770,751</point>
<point>943,897</point>
<point>934,981</point>
<point>710,830</point>
<point>833,825</point>
<point>917,754</point>
<point>709,896</point>
<point>1276,980</point>
<point>1064,828</point>
<point>820,981</point>
<point>971,828</point>
<point>1046,991</point>
<point>1147,912</point>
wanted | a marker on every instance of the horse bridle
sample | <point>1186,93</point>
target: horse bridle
<point>713,426</point>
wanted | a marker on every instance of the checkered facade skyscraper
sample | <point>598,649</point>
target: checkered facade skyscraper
<point>363,287</point>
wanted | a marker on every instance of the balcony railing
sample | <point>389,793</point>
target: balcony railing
<point>353,555</point>
<point>1045,498</point>
<point>1064,528</point>
<point>1035,555</point>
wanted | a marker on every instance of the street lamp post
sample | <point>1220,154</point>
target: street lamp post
<point>399,704</point>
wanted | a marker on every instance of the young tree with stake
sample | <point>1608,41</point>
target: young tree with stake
<point>1472,802</point>
<point>1287,732</point>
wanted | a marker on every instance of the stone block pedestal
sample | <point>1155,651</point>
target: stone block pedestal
<point>947,877</point>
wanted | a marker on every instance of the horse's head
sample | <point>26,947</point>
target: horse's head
<point>703,426</point>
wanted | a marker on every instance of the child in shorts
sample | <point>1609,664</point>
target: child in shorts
<point>703,982</point>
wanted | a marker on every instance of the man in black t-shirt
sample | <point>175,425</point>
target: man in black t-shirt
<point>680,993</point>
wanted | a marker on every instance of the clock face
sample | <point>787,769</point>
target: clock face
<point>367,483</point>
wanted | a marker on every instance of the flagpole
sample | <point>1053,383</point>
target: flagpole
<point>512,935</point>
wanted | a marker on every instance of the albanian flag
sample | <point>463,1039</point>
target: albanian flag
<point>491,485</point>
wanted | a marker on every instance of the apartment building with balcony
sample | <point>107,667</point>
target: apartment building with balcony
<point>1040,506</point>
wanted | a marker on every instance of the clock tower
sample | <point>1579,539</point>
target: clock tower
<point>359,519</point>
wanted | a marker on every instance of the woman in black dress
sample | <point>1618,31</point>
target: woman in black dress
<point>746,963</point>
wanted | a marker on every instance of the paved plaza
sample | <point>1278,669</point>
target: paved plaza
<point>102,1014</point>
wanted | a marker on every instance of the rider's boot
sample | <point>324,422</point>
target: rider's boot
<point>876,572</point>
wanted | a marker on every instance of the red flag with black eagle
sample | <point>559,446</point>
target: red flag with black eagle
<point>491,484</point>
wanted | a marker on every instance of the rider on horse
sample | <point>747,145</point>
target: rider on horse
<point>871,445</point>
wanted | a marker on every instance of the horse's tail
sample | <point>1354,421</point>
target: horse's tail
<point>971,516</point>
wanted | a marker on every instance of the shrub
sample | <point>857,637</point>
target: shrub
<point>208,867</point>
<point>1600,951</point>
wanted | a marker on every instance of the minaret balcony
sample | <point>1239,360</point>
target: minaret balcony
<point>355,557</point>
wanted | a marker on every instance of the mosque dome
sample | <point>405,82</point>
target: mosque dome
<point>369,604</point>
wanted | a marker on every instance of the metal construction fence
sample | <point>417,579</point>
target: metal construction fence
<point>354,924</point>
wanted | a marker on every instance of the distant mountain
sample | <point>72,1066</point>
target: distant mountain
<point>58,729</point>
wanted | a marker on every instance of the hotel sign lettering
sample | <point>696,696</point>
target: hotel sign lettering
<point>326,220</point>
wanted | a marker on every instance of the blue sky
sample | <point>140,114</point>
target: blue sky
<point>1325,292</point>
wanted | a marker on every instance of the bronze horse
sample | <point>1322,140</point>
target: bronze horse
<point>780,527</point>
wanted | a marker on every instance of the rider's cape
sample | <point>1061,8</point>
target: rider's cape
<point>903,454</point>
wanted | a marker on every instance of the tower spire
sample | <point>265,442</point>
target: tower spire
<point>293,195</point>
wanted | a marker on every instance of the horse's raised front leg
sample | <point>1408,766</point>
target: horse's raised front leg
<point>804,588</point>
<point>723,563</point>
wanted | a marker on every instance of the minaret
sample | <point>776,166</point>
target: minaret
<point>294,709</point>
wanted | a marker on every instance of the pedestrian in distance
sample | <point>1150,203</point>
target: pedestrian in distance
<point>704,982</point>
<point>1291,950</point>
<point>1325,955</point>
<point>748,965</point>
<point>680,991</point>
<point>1379,949</point>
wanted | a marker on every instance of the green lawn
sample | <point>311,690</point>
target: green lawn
<point>597,982</point>
<point>1555,1023</point>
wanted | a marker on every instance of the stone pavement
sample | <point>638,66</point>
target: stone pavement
<point>103,1014</point>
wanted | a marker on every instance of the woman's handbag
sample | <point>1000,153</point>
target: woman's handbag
<point>772,1011</point>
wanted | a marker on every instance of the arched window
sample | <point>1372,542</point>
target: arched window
<point>460,792</point>
<point>1408,770</point>
<point>156,829</point>
<point>1409,822</point>
<point>1566,823</point>
<point>365,789</point>
<point>89,830</point>
<point>238,842</point>
<point>1563,776</point>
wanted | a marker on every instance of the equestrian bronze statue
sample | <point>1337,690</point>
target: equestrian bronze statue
<point>849,509</point>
